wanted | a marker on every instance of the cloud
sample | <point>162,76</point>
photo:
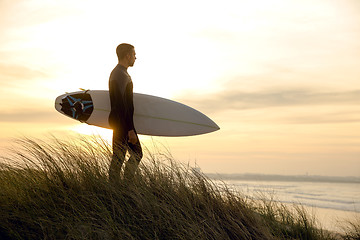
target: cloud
<point>338,116</point>
<point>20,71</point>
<point>239,100</point>
<point>21,14</point>
<point>29,116</point>
<point>15,74</point>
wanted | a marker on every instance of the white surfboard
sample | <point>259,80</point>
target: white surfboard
<point>153,115</point>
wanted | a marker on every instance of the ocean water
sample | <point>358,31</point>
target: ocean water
<point>333,198</point>
<point>338,196</point>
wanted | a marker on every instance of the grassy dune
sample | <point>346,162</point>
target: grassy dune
<point>59,189</point>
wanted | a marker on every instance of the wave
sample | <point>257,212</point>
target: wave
<point>284,178</point>
<point>343,195</point>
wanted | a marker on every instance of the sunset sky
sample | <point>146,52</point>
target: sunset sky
<point>281,78</point>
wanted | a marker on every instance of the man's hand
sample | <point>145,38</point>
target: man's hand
<point>132,137</point>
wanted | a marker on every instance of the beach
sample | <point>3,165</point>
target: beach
<point>334,220</point>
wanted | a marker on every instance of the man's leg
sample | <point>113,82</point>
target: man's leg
<point>118,157</point>
<point>136,154</point>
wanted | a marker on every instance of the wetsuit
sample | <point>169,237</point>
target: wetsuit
<point>121,120</point>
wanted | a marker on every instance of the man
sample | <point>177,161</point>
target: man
<point>121,116</point>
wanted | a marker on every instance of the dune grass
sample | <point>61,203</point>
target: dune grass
<point>59,189</point>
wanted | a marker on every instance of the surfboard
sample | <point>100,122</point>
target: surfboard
<point>153,115</point>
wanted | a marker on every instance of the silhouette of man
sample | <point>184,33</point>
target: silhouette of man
<point>121,116</point>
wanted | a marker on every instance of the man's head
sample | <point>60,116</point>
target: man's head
<point>126,54</point>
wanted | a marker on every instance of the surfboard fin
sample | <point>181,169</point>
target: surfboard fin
<point>85,90</point>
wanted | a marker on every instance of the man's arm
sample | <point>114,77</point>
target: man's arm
<point>129,116</point>
<point>117,105</point>
<point>129,107</point>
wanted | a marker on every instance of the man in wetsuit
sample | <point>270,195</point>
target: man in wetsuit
<point>121,116</point>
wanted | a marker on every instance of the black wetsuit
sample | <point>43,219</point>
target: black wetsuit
<point>121,99</point>
<point>121,118</point>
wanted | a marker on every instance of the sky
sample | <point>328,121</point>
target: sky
<point>281,78</point>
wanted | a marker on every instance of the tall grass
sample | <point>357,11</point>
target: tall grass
<point>59,189</point>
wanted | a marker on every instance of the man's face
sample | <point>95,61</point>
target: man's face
<point>132,58</point>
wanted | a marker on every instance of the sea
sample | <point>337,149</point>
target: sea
<point>332,201</point>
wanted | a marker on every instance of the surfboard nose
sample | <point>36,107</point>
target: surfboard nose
<point>211,124</point>
<point>216,126</point>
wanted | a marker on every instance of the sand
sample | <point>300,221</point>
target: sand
<point>331,219</point>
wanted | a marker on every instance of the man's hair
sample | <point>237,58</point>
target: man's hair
<point>123,49</point>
